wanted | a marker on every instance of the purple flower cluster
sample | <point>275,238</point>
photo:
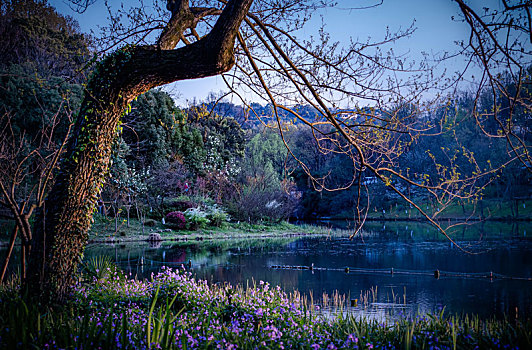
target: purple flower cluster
<point>174,310</point>
<point>190,313</point>
<point>212,316</point>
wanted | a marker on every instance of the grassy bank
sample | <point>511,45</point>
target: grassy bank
<point>491,210</point>
<point>173,310</point>
<point>105,230</point>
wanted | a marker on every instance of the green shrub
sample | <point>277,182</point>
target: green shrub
<point>196,218</point>
<point>150,222</point>
<point>216,215</point>
<point>181,204</point>
<point>100,268</point>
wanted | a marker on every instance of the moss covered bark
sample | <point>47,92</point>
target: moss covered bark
<point>61,232</point>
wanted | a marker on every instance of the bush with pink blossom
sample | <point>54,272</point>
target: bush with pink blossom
<point>177,219</point>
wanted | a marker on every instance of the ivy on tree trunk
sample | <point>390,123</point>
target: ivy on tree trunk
<point>61,231</point>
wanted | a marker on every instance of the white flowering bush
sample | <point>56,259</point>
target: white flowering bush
<point>196,218</point>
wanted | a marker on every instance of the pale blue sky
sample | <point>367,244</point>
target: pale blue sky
<point>436,31</point>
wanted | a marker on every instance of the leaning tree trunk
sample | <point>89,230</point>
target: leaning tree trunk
<point>62,230</point>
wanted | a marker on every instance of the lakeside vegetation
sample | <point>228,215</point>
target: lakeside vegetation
<point>485,210</point>
<point>105,230</point>
<point>173,310</point>
<point>161,172</point>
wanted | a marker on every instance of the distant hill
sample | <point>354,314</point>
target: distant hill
<point>251,118</point>
<point>254,117</point>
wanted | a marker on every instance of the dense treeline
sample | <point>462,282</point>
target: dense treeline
<point>166,156</point>
<point>258,172</point>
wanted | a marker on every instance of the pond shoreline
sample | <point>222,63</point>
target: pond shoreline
<point>324,263</point>
<point>105,233</point>
<point>425,220</point>
<point>214,286</point>
<point>197,237</point>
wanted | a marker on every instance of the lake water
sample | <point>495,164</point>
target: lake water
<point>413,250</point>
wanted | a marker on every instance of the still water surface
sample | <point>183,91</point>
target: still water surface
<point>416,249</point>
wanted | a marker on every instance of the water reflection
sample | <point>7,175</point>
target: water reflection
<point>499,248</point>
<point>384,247</point>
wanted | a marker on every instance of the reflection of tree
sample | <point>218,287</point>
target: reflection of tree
<point>186,250</point>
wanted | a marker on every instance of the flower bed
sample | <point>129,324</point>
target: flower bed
<point>174,310</point>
